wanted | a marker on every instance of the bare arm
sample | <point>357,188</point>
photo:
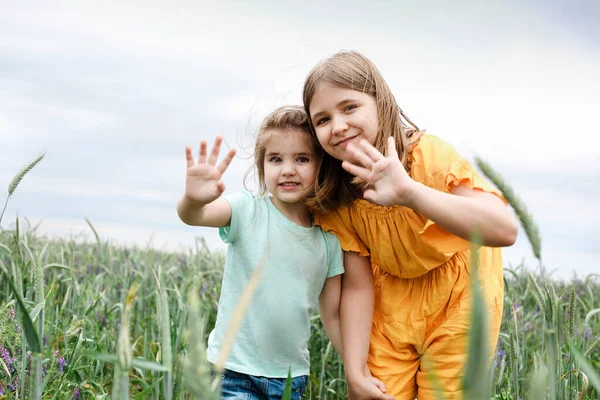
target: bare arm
<point>200,204</point>
<point>472,210</point>
<point>216,214</point>
<point>461,212</point>
<point>329,304</point>
<point>356,312</point>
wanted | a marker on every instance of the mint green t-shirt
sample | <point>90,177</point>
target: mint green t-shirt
<point>276,329</point>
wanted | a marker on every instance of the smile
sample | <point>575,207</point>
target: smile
<point>345,141</point>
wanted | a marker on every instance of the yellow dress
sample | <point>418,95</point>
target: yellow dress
<point>422,279</point>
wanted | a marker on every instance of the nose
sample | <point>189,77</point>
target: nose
<point>288,169</point>
<point>339,126</point>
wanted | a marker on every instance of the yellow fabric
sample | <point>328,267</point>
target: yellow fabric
<point>422,275</point>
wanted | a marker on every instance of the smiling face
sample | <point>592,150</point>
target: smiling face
<point>290,166</point>
<point>341,116</point>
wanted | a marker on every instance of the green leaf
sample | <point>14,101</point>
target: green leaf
<point>36,311</point>
<point>586,367</point>
<point>91,308</point>
<point>137,362</point>
<point>33,340</point>
<point>477,378</point>
<point>287,392</point>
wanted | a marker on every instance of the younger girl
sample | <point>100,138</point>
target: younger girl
<point>403,204</point>
<point>303,263</point>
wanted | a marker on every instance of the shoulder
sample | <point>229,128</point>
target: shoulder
<point>430,147</point>
<point>430,156</point>
<point>335,219</point>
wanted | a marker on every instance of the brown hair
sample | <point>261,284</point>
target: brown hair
<point>352,70</point>
<point>285,118</point>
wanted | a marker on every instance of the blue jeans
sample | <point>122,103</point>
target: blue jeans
<point>238,386</point>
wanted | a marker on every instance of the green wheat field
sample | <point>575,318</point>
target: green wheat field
<point>92,320</point>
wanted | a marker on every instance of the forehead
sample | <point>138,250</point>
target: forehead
<point>327,96</point>
<point>288,141</point>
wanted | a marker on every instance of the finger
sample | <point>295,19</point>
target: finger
<point>370,150</point>
<point>378,383</point>
<point>392,147</point>
<point>226,161</point>
<point>370,195</point>
<point>356,170</point>
<point>220,186</point>
<point>202,154</point>
<point>214,154</point>
<point>189,158</point>
<point>359,155</point>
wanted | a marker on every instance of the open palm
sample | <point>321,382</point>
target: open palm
<point>203,182</point>
<point>390,184</point>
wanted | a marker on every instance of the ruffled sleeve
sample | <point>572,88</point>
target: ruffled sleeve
<point>339,223</point>
<point>438,165</point>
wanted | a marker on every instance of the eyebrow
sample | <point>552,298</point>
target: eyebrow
<point>274,153</point>
<point>338,105</point>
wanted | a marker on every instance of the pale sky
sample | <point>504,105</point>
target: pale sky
<point>114,91</point>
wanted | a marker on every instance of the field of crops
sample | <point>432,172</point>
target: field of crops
<point>82,319</point>
<point>85,288</point>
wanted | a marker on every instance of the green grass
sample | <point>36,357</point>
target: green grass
<point>86,286</point>
<point>81,320</point>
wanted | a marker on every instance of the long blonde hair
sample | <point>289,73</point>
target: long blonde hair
<point>352,70</point>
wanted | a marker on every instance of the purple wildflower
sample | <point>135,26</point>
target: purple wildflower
<point>587,333</point>
<point>61,364</point>
<point>1,389</point>
<point>517,310</point>
<point>14,386</point>
<point>6,356</point>
<point>44,340</point>
<point>76,393</point>
<point>30,364</point>
<point>59,360</point>
<point>500,354</point>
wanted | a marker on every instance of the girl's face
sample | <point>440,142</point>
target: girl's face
<point>341,116</point>
<point>290,166</point>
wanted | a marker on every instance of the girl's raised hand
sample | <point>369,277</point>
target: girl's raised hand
<point>203,182</point>
<point>390,184</point>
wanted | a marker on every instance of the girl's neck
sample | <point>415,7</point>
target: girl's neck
<point>298,212</point>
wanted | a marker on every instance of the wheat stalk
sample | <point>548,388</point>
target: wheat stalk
<point>17,179</point>
<point>531,229</point>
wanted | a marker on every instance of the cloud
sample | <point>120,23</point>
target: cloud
<point>115,91</point>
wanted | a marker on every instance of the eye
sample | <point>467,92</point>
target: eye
<point>275,159</point>
<point>322,121</point>
<point>303,159</point>
<point>350,107</point>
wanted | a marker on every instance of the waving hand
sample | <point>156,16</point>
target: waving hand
<point>203,182</point>
<point>390,184</point>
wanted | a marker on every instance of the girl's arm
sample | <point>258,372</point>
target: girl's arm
<point>356,312</point>
<point>329,304</point>
<point>471,211</point>
<point>462,212</point>
<point>200,204</point>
